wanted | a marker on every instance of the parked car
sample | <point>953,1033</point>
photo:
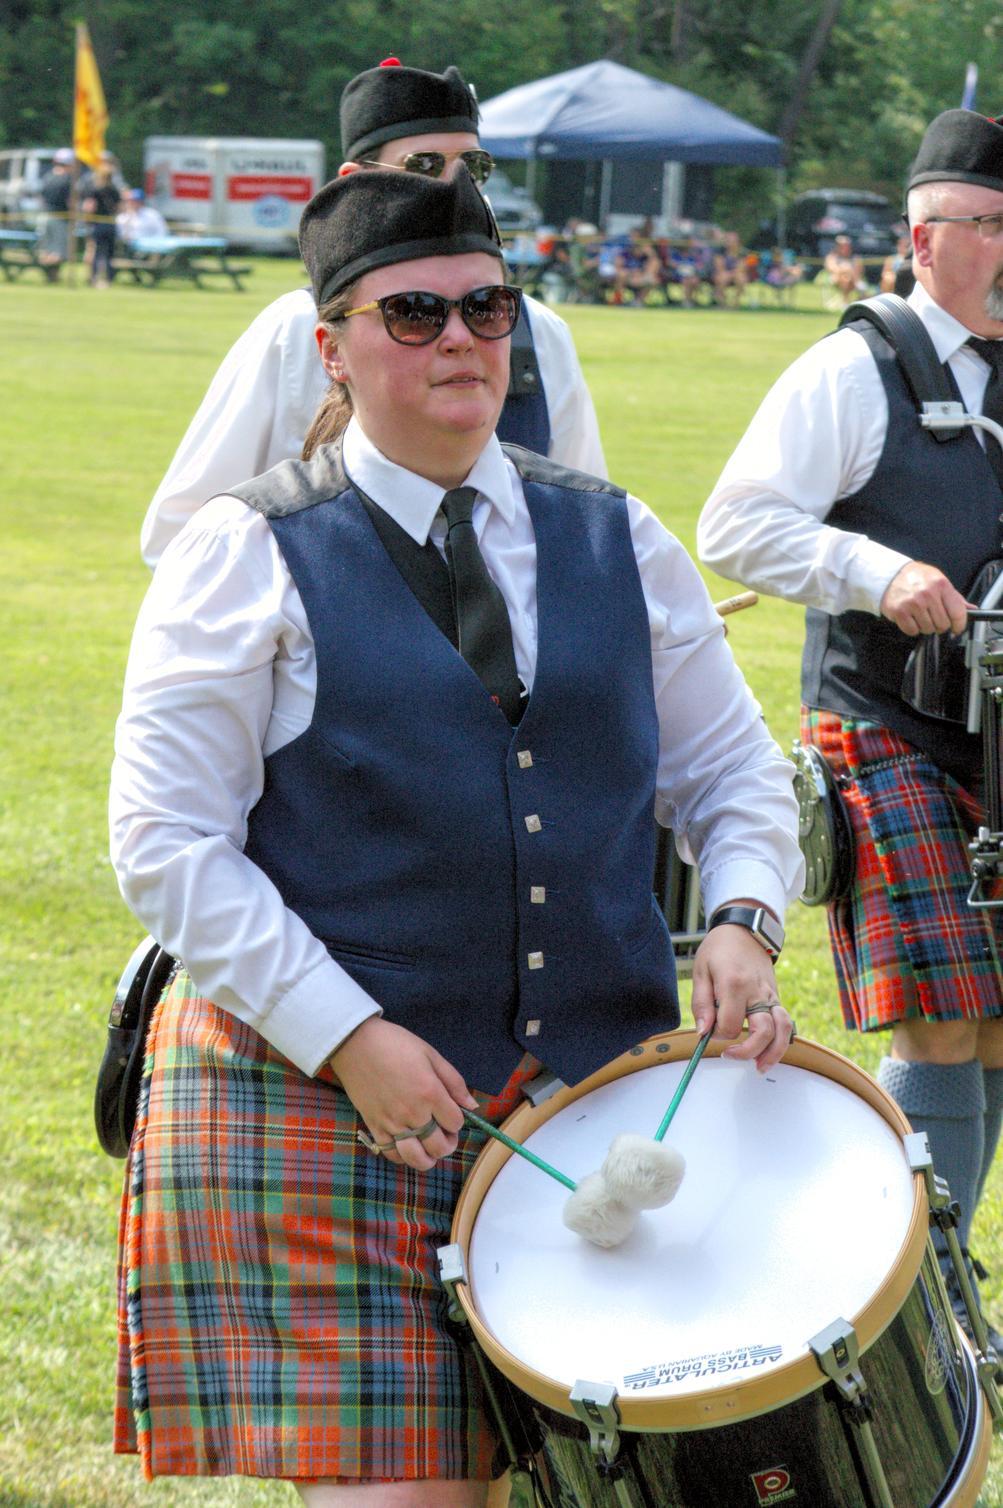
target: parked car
<point>21,172</point>
<point>817,217</point>
<point>513,208</point>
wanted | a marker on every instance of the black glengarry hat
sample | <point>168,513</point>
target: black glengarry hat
<point>388,102</point>
<point>960,147</point>
<point>374,219</point>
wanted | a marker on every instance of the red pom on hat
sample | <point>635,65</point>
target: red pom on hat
<point>391,63</point>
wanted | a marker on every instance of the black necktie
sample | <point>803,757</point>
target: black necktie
<point>991,352</point>
<point>482,621</point>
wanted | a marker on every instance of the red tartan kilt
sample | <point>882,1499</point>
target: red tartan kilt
<point>905,942</point>
<point>281,1313</point>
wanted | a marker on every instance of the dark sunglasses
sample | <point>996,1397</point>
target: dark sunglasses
<point>415,319</point>
<point>480,164</point>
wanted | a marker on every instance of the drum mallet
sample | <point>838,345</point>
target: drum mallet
<point>637,1174</point>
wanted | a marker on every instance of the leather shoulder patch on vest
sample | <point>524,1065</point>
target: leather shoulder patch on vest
<point>294,485</point>
<point>534,468</point>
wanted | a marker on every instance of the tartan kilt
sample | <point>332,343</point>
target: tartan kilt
<point>280,1313</point>
<point>905,943</point>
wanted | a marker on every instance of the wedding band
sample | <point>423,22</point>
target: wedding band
<point>754,1010</point>
<point>420,1132</point>
<point>373,1146</point>
<point>794,1032</point>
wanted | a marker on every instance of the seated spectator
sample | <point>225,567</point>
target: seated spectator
<point>687,266</point>
<point>779,271</point>
<point>139,220</point>
<point>896,271</point>
<point>637,268</point>
<point>730,274</point>
<point>845,270</point>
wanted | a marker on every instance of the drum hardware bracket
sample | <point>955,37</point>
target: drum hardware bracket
<point>837,1352</point>
<point>522,1475</point>
<point>945,1213</point>
<point>542,1087</point>
<point>595,1405</point>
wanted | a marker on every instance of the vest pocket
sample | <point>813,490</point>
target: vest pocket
<point>362,953</point>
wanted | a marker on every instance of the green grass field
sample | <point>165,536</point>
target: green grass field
<point>97,390</point>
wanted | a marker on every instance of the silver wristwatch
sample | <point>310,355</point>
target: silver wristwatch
<point>756,919</point>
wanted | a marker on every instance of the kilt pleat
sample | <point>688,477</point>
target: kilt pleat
<point>280,1313</point>
<point>905,943</point>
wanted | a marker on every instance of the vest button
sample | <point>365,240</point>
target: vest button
<point>535,960</point>
<point>533,824</point>
<point>532,1028</point>
<point>537,894</point>
<point>524,758</point>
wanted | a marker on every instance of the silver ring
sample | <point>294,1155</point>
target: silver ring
<point>420,1132</point>
<point>794,1032</point>
<point>755,1010</point>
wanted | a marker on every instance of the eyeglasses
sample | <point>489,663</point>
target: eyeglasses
<point>989,226</point>
<point>480,164</point>
<point>415,319</point>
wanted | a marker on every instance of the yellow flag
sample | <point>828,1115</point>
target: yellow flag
<point>90,114</point>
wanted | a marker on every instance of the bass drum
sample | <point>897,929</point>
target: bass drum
<point>798,1209</point>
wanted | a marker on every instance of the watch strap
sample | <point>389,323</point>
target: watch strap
<point>756,919</point>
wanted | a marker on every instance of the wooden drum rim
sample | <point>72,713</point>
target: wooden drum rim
<point>761,1394</point>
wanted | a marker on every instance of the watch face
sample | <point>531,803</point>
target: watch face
<point>771,931</point>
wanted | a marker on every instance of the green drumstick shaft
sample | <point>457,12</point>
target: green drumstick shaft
<point>698,1053</point>
<point>517,1147</point>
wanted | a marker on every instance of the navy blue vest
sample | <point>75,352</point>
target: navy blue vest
<point>525,418</point>
<point>490,887</point>
<point>936,502</point>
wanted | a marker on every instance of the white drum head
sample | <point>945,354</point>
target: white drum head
<point>795,1204</point>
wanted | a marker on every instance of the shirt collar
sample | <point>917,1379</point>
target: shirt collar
<point>947,333</point>
<point>411,500</point>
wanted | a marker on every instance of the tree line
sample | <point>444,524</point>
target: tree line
<point>850,82</point>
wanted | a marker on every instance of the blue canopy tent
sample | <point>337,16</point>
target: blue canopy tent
<point>603,111</point>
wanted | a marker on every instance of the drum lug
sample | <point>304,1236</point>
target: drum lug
<point>944,1214</point>
<point>542,1087</point>
<point>595,1405</point>
<point>837,1352</point>
<point>453,1270</point>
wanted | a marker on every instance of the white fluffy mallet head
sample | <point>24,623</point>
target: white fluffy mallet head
<point>593,1213</point>
<point>641,1173</point>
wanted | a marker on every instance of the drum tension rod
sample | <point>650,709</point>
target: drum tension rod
<point>837,1353</point>
<point>945,1213</point>
<point>595,1405</point>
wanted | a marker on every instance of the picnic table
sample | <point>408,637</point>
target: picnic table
<point>19,254</point>
<point>152,259</point>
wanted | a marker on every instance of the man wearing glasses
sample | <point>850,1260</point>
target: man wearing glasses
<point>837,498</point>
<point>264,396</point>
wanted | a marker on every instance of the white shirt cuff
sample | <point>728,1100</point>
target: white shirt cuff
<point>312,1019</point>
<point>745,877</point>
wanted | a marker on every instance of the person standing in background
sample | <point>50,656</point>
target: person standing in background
<point>837,498</point>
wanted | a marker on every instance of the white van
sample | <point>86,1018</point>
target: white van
<point>21,172</point>
<point>250,189</point>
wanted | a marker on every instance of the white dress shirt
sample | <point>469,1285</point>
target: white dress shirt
<point>817,437</point>
<point>222,673</point>
<point>262,401</point>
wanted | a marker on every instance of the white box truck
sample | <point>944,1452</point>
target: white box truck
<point>250,189</point>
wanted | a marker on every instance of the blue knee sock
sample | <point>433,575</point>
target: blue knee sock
<point>947,1101</point>
<point>992,1080</point>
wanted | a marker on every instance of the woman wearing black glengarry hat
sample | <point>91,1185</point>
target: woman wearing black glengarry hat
<point>388,794</point>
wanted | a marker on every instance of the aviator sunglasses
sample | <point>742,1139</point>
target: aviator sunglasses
<point>480,164</point>
<point>415,319</point>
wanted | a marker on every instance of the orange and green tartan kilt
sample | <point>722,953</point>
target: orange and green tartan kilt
<point>280,1313</point>
<point>905,942</point>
